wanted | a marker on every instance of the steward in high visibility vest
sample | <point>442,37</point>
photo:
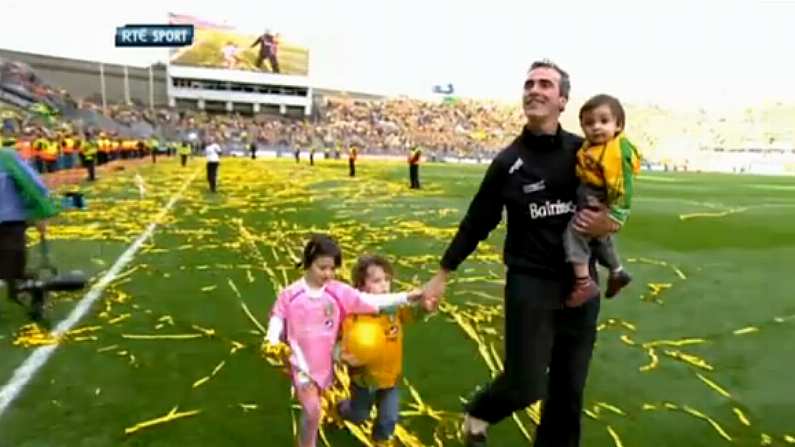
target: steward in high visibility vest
<point>88,156</point>
<point>184,151</point>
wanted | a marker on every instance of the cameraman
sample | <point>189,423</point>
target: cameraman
<point>23,200</point>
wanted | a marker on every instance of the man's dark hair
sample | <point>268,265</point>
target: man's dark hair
<point>616,109</point>
<point>565,81</point>
<point>321,245</point>
<point>359,273</point>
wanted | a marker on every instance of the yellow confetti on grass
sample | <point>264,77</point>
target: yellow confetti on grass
<point>31,335</point>
<point>677,343</point>
<point>129,272</point>
<point>614,435</point>
<point>119,319</point>
<point>252,318</point>
<point>407,438</point>
<point>161,336</point>
<point>655,290</point>
<point>171,416</point>
<point>218,368</point>
<point>534,412</point>
<point>627,325</point>
<point>746,330</point>
<point>484,295</point>
<point>205,331</point>
<point>201,382</point>
<point>648,261</point>
<point>209,288</point>
<point>248,407</point>
<point>741,416</point>
<point>236,346</point>
<point>689,359</point>
<point>784,319</point>
<point>614,322</point>
<point>521,427</point>
<point>709,420</point>
<point>291,232</point>
<point>83,330</point>
<point>715,214</point>
<point>655,361</point>
<point>233,287</point>
<point>611,408</point>
<point>86,338</point>
<point>714,386</point>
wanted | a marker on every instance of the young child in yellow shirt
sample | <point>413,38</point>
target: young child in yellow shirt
<point>607,164</point>
<point>372,346</point>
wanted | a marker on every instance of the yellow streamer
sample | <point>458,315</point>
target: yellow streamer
<point>746,330</point>
<point>614,435</point>
<point>741,416</point>
<point>714,386</point>
<point>690,359</point>
<point>119,318</point>
<point>171,416</point>
<point>161,336</point>
<point>709,420</point>
<point>654,361</point>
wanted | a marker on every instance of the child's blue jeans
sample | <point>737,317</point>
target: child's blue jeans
<point>357,409</point>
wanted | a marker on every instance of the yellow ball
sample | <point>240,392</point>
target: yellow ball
<point>363,340</point>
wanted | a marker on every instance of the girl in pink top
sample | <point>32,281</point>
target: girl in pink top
<point>307,315</point>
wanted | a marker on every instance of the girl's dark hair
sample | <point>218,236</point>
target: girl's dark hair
<point>359,273</point>
<point>321,245</point>
<point>605,100</point>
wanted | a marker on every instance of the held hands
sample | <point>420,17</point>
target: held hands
<point>427,302</point>
<point>434,290</point>
<point>415,295</point>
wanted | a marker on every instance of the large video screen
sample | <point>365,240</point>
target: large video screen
<point>222,46</point>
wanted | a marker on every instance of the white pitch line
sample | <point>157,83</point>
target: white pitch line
<point>25,372</point>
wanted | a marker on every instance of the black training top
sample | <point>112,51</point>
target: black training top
<point>534,180</point>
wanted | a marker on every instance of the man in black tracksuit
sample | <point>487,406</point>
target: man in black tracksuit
<point>534,180</point>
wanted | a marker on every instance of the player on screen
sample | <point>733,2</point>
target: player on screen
<point>268,49</point>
